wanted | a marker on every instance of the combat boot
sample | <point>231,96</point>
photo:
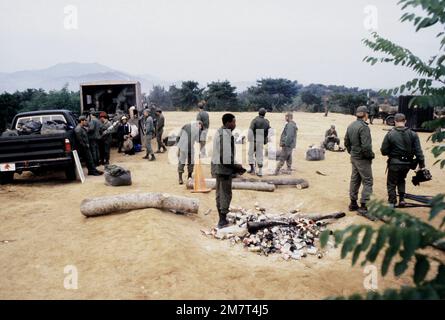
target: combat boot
<point>363,211</point>
<point>260,172</point>
<point>402,203</point>
<point>146,157</point>
<point>353,206</point>
<point>189,176</point>
<point>252,169</point>
<point>222,221</point>
<point>152,158</point>
<point>181,182</point>
<point>164,148</point>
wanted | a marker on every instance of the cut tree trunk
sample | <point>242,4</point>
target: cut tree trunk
<point>320,217</point>
<point>124,202</point>
<point>239,185</point>
<point>276,181</point>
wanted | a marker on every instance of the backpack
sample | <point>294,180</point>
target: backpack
<point>315,154</point>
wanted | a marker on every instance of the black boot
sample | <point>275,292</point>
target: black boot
<point>353,206</point>
<point>152,158</point>
<point>363,211</point>
<point>181,182</point>
<point>146,157</point>
<point>164,148</point>
<point>222,221</point>
<point>252,169</point>
<point>189,176</point>
<point>402,203</point>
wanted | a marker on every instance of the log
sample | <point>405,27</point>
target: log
<point>320,217</point>
<point>303,185</point>
<point>114,204</point>
<point>276,181</point>
<point>239,185</point>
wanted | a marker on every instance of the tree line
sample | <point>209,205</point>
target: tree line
<point>275,95</point>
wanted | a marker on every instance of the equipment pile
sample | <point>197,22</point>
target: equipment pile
<point>292,235</point>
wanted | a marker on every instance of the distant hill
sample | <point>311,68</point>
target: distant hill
<point>74,73</point>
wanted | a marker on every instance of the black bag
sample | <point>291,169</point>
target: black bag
<point>315,154</point>
<point>117,176</point>
<point>30,127</point>
<point>423,175</point>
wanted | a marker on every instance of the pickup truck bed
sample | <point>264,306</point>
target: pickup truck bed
<point>36,152</point>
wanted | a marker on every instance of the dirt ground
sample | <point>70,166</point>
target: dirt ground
<point>150,254</point>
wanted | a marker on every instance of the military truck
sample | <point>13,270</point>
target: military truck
<point>113,97</point>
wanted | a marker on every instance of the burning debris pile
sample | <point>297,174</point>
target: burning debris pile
<point>292,235</point>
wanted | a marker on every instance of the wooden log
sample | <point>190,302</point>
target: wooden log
<point>124,202</point>
<point>303,185</point>
<point>320,217</point>
<point>239,185</point>
<point>276,181</point>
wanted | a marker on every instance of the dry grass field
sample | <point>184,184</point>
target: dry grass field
<point>150,254</point>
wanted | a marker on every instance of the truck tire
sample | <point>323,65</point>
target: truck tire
<point>390,121</point>
<point>6,177</point>
<point>70,173</point>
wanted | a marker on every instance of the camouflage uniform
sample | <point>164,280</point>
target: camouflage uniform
<point>149,133</point>
<point>83,147</point>
<point>258,133</point>
<point>105,142</point>
<point>400,145</point>
<point>224,167</point>
<point>358,142</point>
<point>188,136</point>
<point>94,138</point>
<point>203,116</point>
<point>160,131</point>
<point>288,142</point>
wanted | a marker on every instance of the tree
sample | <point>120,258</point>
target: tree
<point>349,102</point>
<point>190,94</point>
<point>221,96</point>
<point>312,100</point>
<point>272,94</point>
<point>403,236</point>
<point>161,97</point>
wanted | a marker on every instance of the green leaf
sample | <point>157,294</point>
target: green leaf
<point>421,268</point>
<point>324,238</point>
<point>378,245</point>
<point>400,268</point>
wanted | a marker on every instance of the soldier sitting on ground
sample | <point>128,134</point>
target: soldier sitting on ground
<point>331,139</point>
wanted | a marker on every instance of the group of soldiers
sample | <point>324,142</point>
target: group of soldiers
<point>93,138</point>
<point>402,147</point>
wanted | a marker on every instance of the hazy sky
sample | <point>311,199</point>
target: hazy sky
<point>239,40</point>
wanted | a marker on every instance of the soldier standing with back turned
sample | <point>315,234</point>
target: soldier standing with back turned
<point>258,133</point>
<point>203,117</point>
<point>358,142</point>
<point>160,123</point>
<point>401,145</point>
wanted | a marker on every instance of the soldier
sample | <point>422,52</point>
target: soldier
<point>288,143</point>
<point>83,144</point>
<point>94,137</point>
<point>105,138</point>
<point>203,117</point>
<point>374,112</point>
<point>331,139</point>
<point>188,136</point>
<point>358,142</point>
<point>149,129</point>
<point>124,130</point>
<point>160,123</point>
<point>258,133</point>
<point>224,166</point>
<point>401,145</point>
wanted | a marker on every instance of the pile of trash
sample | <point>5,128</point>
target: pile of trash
<point>291,235</point>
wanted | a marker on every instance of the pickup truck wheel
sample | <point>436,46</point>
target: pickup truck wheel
<point>71,173</point>
<point>6,177</point>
